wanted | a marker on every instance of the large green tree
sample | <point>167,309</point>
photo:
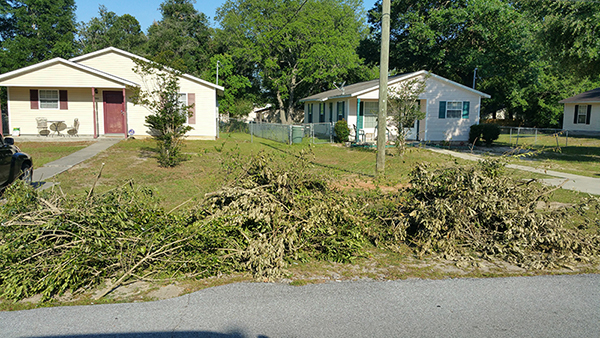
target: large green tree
<point>292,48</point>
<point>184,32</point>
<point>452,38</point>
<point>568,32</point>
<point>111,30</point>
<point>32,31</point>
<point>36,30</point>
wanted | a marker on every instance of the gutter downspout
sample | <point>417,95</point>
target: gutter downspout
<point>358,119</point>
<point>95,118</point>
<point>124,112</point>
<point>425,139</point>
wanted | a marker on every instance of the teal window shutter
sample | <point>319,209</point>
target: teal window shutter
<point>465,114</point>
<point>442,109</point>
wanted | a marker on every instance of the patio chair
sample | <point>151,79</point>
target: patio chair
<point>42,126</point>
<point>73,131</point>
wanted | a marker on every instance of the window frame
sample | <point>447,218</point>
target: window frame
<point>459,110</point>
<point>582,112</point>
<point>45,100</point>
<point>187,117</point>
<point>368,116</point>
<point>340,113</point>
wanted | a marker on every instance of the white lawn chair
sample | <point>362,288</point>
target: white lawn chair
<point>42,126</point>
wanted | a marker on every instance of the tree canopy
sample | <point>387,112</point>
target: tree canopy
<point>184,32</point>
<point>111,30</point>
<point>529,54</point>
<point>293,47</point>
<point>34,31</point>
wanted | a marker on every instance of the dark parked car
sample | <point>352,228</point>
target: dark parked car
<point>14,164</point>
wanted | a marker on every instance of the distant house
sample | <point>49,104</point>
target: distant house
<point>93,88</point>
<point>450,107</point>
<point>582,112</point>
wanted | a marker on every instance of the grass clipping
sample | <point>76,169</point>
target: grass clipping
<point>270,214</point>
<point>476,210</point>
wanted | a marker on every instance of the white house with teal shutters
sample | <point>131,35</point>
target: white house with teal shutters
<point>450,108</point>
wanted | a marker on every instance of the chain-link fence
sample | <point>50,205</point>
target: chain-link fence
<point>521,136</point>
<point>284,133</point>
<point>320,132</point>
<point>273,131</point>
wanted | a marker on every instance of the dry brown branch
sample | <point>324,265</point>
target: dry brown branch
<point>95,182</point>
<point>148,256</point>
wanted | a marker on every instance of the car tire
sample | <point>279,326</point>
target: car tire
<point>26,173</point>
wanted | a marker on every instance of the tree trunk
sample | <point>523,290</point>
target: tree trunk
<point>282,112</point>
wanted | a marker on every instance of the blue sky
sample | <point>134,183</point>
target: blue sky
<point>146,11</point>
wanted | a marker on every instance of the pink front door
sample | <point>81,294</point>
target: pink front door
<point>114,117</point>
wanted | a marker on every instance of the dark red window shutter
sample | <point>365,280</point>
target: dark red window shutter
<point>589,114</point>
<point>33,99</point>
<point>192,102</point>
<point>64,99</point>
<point>576,109</point>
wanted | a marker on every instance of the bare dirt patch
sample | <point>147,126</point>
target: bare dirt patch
<point>356,183</point>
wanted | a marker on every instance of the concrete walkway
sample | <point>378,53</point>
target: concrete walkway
<point>63,164</point>
<point>574,182</point>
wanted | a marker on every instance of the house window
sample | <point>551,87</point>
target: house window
<point>182,99</point>
<point>454,110</point>
<point>321,112</point>
<point>370,114</point>
<point>48,99</point>
<point>310,113</point>
<point>340,111</point>
<point>182,102</point>
<point>582,114</point>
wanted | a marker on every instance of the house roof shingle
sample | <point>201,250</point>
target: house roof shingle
<point>589,96</point>
<point>364,87</point>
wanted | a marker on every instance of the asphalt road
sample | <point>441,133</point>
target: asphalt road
<point>546,306</point>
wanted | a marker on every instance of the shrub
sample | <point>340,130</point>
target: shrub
<point>486,132</point>
<point>475,134</point>
<point>341,131</point>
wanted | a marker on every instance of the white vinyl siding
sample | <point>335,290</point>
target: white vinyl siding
<point>48,99</point>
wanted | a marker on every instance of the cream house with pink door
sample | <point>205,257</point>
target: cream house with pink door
<point>96,90</point>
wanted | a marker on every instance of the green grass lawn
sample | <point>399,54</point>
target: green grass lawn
<point>44,152</point>
<point>580,156</point>
<point>210,162</point>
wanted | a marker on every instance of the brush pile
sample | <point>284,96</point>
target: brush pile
<point>271,214</point>
<point>477,210</point>
<point>275,211</point>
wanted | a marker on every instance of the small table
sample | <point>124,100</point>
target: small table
<point>57,126</point>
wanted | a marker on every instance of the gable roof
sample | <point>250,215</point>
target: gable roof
<point>134,56</point>
<point>591,96</point>
<point>360,88</point>
<point>80,67</point>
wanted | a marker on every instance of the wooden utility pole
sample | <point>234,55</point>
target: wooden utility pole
<point>383,83</point>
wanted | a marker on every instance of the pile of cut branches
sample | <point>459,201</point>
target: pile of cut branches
<point>476,209</point>
<point>272,213</point>
<point>275,212</point>
<point>50,243</point>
